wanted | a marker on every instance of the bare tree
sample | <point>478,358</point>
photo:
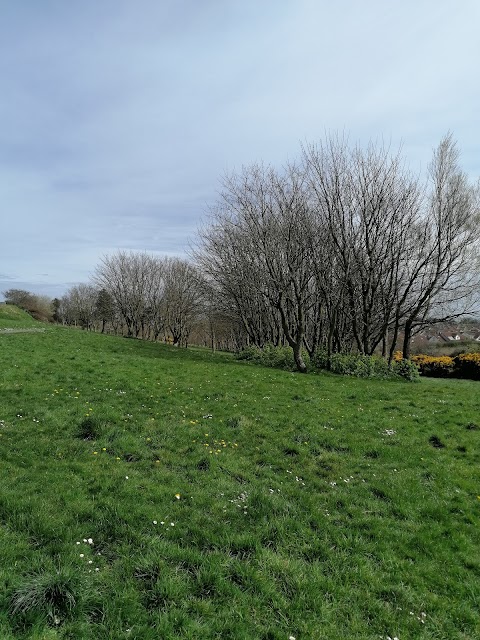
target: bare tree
<point>441,279</point>
<point>134,281</point>
<point>367,202</point>
<point>234,285</point>
<point>345,250</point>
<point>79,306</point>
<point>182,298</point>
<point>258,251</point>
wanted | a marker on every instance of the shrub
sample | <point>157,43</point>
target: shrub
<point>39,307</point>
<point>249,353</point>
<point>467,365</point>
<point>361,366</point>
<point>346,364</point>
<point>271,356</point>
<point>406,369</point>
<point>320,360</point>
<point>435,366</point>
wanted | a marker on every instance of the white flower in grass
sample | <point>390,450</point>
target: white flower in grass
<point>154,522</point>
<point>82,555</point>
<point>90,541</point>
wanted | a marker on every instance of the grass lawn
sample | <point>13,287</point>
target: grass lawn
<point>150,492</point>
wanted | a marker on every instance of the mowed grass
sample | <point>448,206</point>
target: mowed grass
<point>150,492</point>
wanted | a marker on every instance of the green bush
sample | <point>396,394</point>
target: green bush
<point>249,353</point>
<point>467,365</point>
<point>361,366</point>
<point>345,364</point>
<point>406,369</point>
<point>271,356</point>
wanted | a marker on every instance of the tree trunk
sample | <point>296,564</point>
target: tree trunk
<point>407,340</point>
<point>297,356</point>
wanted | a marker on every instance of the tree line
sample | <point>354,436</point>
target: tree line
<point>342,250</point>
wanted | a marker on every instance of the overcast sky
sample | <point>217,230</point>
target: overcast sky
<point>118,118</point>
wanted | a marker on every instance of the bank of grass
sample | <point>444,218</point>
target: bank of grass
<point>150,492</point>
<point>13,317</point>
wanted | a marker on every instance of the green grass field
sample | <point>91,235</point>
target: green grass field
<point>150,492</point>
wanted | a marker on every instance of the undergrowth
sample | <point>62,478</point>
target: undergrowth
<point>346,364</point>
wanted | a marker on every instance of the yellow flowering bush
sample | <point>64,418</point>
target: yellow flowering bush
<point>467,365</point>
<point>437,366</point>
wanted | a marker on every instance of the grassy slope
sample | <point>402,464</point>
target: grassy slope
<point>13,317</point>
<point>312,506</point>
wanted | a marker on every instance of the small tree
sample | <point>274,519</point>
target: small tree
<point>56,306</point>
<point>104,308</point>
<point>39,307</point>
<point>78,306</point>
<point>21,298</point>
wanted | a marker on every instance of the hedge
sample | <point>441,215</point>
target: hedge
<point>465,365</point>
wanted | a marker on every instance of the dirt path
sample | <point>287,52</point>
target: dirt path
<point>20,330</point>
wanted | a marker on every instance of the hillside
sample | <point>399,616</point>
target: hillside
<point>11,317</point>
<point>151,492</point>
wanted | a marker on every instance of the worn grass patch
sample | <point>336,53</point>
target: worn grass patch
<point>151,492</point>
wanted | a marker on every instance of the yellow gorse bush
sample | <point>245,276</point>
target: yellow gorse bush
<point>433,361</point>
<point>468,365</point>
<point>469,357</point>
<point>465,365</point>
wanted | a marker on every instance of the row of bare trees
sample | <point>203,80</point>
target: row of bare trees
<point>139,295</point>
<point>345,249</point>
<point>342,250</point>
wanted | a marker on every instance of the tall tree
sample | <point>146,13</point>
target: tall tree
<point>133,280</point>
<point>257,250</point>
<point>182,298</point>
<point>442,275</point>
<point>104,307</point>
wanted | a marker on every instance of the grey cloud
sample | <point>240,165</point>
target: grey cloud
<point>117,119</point>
